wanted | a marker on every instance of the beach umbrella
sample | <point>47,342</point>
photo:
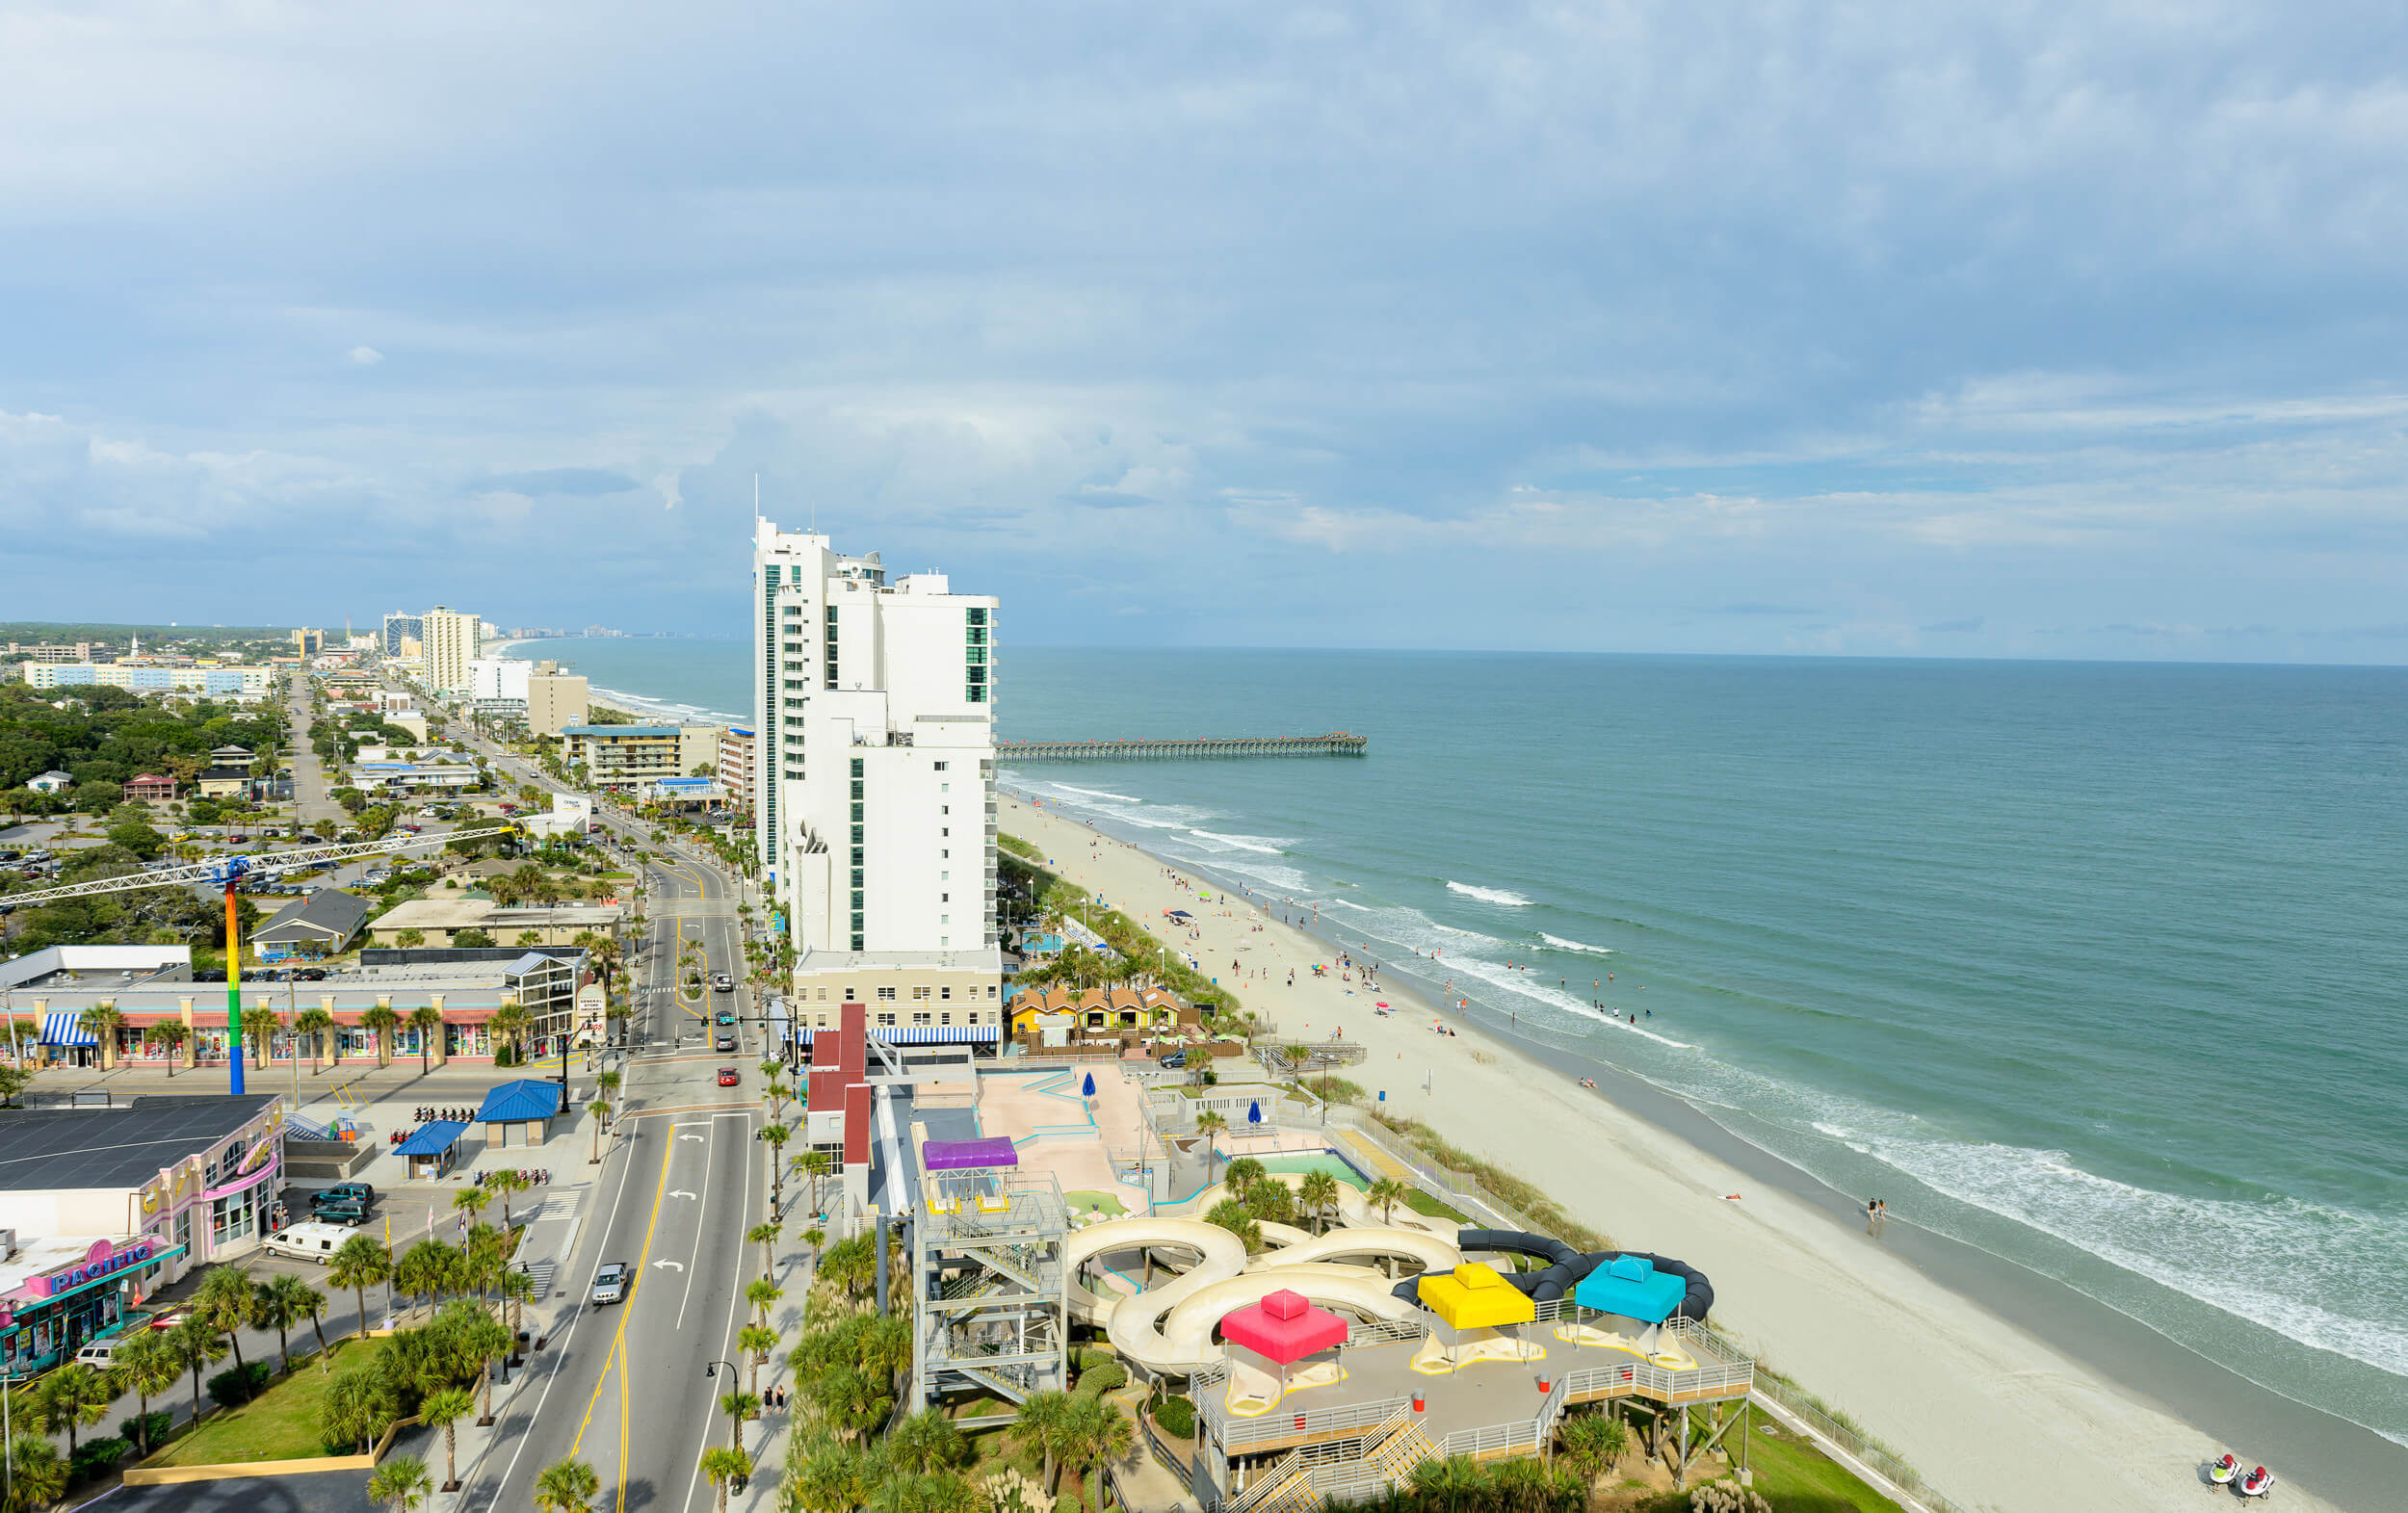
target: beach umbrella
<point>1088,1089</point>
<point>1254,1111</point>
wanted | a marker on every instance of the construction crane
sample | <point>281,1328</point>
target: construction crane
<point>229,871</point>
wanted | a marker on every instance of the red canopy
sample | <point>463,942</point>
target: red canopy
<point>1284,1327</point>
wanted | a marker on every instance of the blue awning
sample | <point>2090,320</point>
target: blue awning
<point>58,1028</point>
<point>936,1034</point>
<point>433,1138</point>
<point>512,1103</point>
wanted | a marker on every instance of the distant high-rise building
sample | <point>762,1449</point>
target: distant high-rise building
<point>873,762</point>
<point>309,642</point>
<point>555,701</point>
<point>399,628</point>
<point>449,642</point>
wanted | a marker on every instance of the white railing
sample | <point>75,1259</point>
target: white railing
<point>1235,1434</point>
<point>1385,1331</point>
<point>1497,1439</point>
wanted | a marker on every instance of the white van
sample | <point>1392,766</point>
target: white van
<point>316,1242</point>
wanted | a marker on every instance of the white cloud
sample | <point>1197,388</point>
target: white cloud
<point>364,356</point>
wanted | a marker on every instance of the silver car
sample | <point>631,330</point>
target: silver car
<point>610,1283</point>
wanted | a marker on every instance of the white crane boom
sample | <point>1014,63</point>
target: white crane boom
<point>229,869</point>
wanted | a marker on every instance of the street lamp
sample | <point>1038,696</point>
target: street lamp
<point>736,1425</point>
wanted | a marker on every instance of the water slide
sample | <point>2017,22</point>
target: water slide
<point>1168,1329</point>
<point>1566,1268</point>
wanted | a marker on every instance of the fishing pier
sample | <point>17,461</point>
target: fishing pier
<point>1337,744</point>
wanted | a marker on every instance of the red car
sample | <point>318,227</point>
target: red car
<point>728,1077</point>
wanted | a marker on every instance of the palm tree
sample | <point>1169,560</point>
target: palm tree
<point>100,1022</point>
<point>472,1198</point>
<point>1316,1191</point>
<point>443,1409</point>
<point>566,1486</point>
<point>925,1444</point>
<point>410,939</point>
<point>849,1398</point>
<point>518,1288</point>
<point>755,1344</point>
<point>1592,1442</point>
<point>312,1304</point>
<point>144,1363</point>
<point>739,1406</point>
<point>429,1268</point>
<point>401,1482</point>
<point>777,1134</point>
<point>1238,1220</point>
<point>314,1023</point>
<point>762,1295</point>
<point>1043,1427</point>
<point>1387,1193</point>
<point>428,1021</point>
<point>510,1022</point>
<point>358,1407</point>
<point>1100,1434</point>
<point>1446,1481</point>
<point>607,1083</point>
<point>383,1021</point>
<point>360,1262</point>
<point>506,1183</point>
<point>37,1473</point>
<point>170,1033</point>
<point>598,1111</point>
<point>723,1467</point>
<point>1209,1125</point>
<point>72,1397</point>
<point>278,1303</point>
<point>193,1344</point>
<point>224,1301</point>
<point>260,1025</point>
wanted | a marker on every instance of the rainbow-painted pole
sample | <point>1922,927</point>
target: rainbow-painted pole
<point>233,991</point>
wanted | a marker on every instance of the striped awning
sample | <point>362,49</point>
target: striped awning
<point>936,1034</point>
<point>58,1028</point>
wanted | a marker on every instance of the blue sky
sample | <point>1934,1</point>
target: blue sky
<point>2043,330</point>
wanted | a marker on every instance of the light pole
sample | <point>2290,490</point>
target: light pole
<point>735,1425</point>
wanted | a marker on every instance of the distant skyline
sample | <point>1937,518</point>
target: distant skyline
<point>2060,331</point>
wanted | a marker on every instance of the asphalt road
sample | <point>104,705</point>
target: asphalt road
<point>622,1387</point>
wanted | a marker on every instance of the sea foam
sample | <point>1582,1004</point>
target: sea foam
<point>1560,944</point>
<point>1489,895</point>
<point>1265,844</point>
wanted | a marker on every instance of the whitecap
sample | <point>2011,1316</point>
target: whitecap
<point>1097,793</point>
<point>1560,944</point>
<point>1489,895</point>
<point>1264,845</point>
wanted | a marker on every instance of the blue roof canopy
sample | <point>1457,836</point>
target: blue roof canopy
<point>433,1138</point>
<point>526,1098</point>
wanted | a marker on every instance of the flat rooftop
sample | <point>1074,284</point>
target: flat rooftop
<point>122,1147</point>
<point>975,958</point>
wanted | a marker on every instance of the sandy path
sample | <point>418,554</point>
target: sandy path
<point>1995,1416</point>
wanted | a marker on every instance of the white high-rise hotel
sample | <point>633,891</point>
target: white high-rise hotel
<point>873,787</point>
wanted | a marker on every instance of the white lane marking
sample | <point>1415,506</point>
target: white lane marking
<point>680,1192</point>
<point>701,1219</point>
<point>670,1266</point>
<point>727,1336</point>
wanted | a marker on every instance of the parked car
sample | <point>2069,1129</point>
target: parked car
<point>350,1215</point>
<point>728,1077</point>
<point>100,1355</point>
<point>610,1283</point>
<point>358,1192</point>
<point>166,1317</point>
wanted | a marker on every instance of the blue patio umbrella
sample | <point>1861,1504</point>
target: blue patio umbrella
<point>1254,1111</point>
<point>1088,1089</point>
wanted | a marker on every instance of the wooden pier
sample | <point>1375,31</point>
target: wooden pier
<point>1337,742</point>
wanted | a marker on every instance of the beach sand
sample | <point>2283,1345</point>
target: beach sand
<point>1990,1414</point>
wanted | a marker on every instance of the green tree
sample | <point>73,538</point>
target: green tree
<point>193,1344</point>
<point>598,1111</point>
<point>762,1295</point>
<point>566,1486</point>
<point>1209,1124</point>
<point>280,1302</point>
<point>741,1408</point>
<point>1593,1442</point>
<point>402,1483</point>
<point>101,1021</point>
<point>359,1263</point>
<point>72,1397</point>
<point>224,1300</point>
<point>410,939</point>
<point>148,1368</point>
<point>443,1409</point>
<point>726,1467</point>
<point>506,1183</point>
<point>1238,1220</point>
<point>1243,1174</point>
<point>1100,1434</point>
<point>383,1021</point>
<point>37,1473</point>
<point>137,837</point>
<point>359,1405</point>
<point>475,937</point>
<point>428,1021</point>
<point>170,1033</point>
<point>826,1476</point>
<point>1044,1427</point>
<point>1317,1194</point>
<point>754,1343</point>
<point>1387,1193</point>
<point>314,1023</point>
<point>765,1235</point>
<point>926,1443</point>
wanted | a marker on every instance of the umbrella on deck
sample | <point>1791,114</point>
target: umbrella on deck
<point>1088,1090</point>
<point>1254,1111</point>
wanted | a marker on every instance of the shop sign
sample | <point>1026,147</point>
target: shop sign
<point>99,1261</point>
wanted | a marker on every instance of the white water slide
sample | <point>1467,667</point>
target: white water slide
<point>1168,1327</point>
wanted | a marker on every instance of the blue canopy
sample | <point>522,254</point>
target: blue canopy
<point>433,1138</point>
<point>1087,1090</point>
<point>63,1027</point>
<point>1632,1288</point>
<point>1254,1111</point>
<point>513,1103</point>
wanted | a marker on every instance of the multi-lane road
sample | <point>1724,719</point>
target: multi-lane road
<point>622,1387</point>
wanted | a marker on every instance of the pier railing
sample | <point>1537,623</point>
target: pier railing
<point>1338,743</point>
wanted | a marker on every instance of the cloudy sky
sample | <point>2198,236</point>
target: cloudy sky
<point>2045,329</point>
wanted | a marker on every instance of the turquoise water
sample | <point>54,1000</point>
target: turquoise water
<point>1335,1165</point>
<point>2096,967</point>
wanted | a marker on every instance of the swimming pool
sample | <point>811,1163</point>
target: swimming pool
<point>1330,1162</point>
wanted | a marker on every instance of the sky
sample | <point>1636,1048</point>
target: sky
<point>1875,329</point>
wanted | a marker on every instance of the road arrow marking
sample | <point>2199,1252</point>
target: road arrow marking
<point>673,1265</point>
<point>678,1193</point>
<point>697,1138</point>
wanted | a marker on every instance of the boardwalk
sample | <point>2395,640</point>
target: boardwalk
<point>1337,742</point>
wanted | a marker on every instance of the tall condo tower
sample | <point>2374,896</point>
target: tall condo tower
<point>873,786</point>
<point>450,643</point>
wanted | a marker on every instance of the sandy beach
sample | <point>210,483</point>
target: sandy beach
<point>1989,1413</point>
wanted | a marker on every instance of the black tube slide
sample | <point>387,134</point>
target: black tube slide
<point>1568,1267</point>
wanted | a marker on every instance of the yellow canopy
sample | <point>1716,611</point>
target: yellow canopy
<point>1473,1296</point>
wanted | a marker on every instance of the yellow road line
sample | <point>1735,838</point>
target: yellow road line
<point>618,1340</point>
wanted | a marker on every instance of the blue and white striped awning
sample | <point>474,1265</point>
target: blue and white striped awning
<point>934,1035</point>
<point>58,1028</point>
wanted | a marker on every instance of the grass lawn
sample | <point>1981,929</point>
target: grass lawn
<point>280,1424</point>
<point>1793,1476</point>
<point>1084,1200</point>
<point>1423,1204</point>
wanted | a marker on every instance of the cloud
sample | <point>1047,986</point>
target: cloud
<point>580,481</point>
<point>363,356</point>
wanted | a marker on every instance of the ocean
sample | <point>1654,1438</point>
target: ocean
<point>2094,967</point>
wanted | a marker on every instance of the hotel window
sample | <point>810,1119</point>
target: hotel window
<point>919,994</point>
<point>920,1019</point>
<point>944,1019</point>
<point>886,1021</point>
<point>990,990</point>
<point>886,995</point>
<point>945,993</point>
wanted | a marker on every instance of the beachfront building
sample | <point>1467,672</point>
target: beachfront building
<point>556,701</point>
<point>735,764</point>
<point>499,678</point>
<point>236,684</point>
<point>448,641</point>
<point>874,765</point>
<point>620,757</point>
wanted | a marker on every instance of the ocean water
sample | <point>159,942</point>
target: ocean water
<point>2097,967</point>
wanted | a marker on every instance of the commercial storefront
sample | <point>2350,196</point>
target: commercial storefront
<point>57,1298</point>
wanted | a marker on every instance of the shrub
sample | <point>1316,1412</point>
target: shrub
<point>159,1424</point>
<point>1176,1418</point>
<point>238,1385</point>
<point>1097,1380</point>
<point>94,1458</point>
